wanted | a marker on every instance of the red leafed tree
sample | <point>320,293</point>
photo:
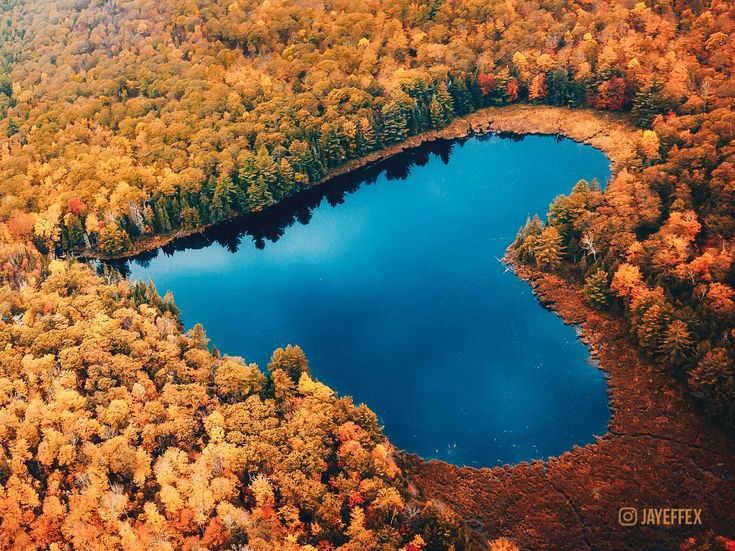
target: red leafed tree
<point>21,225</point>
<point>610,95</point>
<point>537,89</point>
<point>76,206</point>
<point>487,82</point>
<point>512,89</point>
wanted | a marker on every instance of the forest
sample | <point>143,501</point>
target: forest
<point>123,120</point>
<point>126,119</point>
<point>120,431</point>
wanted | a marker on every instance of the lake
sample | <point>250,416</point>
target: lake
<point>389,279</point>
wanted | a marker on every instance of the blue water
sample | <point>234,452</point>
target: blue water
<point>394,290</point>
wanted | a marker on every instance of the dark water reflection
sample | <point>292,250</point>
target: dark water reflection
<point>271,224</point>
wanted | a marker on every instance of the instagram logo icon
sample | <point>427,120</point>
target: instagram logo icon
<point>628,516</point>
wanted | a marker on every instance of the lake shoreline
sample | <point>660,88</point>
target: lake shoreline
<point>608,132</point>
<point>426,211</point>
<point>659,451</point>
<point>655,434</point>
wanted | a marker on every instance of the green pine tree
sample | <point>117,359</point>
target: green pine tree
<point>647,104</point>
<point>548,249</point>
<point>559,214</point>
<point>259,196</point>
<point>525,242</point>
<point>190,218</point>
<point>162,221</point>
<point>558,87</point>
<point>75,232</point>
<point>13,128</point>
<point>438,118</point>
<point>461,98</point>
<point>445,99</point>
<point>330,143</point>
<point>597,289</point>
<point>395,127</point>
<point>713,381</point>
<point>366,137</point>
<point>303,159</point>
<point>113,240</point>
<point>175,212</point>
<point>267,169</point>
<point>285,179</point>
<point>221,204</point>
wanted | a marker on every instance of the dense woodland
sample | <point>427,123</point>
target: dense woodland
<point>125,119</point>
<point>120,431</point>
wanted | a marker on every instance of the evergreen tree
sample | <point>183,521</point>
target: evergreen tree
<point>677,343</point>
<point>559,213</point>
<point>415,120</point>
<point>548,249</point>
<point>395,128</point>
<point>650,330</point>
<point>113,240</point>
<point>525,242</point>
<point>446,100</point>
<point>162,221</point>
<point>561,90</point>
<point>713,380</point>
<point>190,218</point>
<point>73,231</point>
<point>473,88</point>
<point>438,118</point>
<point>366,137</point>
<point>222,198</point>
<point>647,104</point>
<point>149,217</point>
<point>267,169</point>
<point>285,180</point>
<point>303,159</point>
<point>13,128</point>
<point>174,210</point>
<point>259,196</point>
<point>460,95</point>
<point>248,177</point>
<point>330,142</point>
<point>597,289</point>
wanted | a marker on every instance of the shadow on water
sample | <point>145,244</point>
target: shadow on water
<point>271,224</point>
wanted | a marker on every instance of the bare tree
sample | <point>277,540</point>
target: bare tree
<point>588,244</point>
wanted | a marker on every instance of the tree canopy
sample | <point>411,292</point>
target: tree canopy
<point>146,118</point>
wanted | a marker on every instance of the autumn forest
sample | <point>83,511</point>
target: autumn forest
<point>125,124</point>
